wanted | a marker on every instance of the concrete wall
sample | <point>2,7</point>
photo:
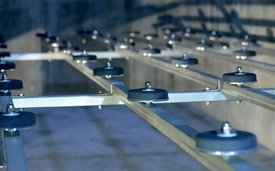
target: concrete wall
<point>22,19</point>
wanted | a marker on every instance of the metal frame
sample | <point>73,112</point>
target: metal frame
<point>173,128</point>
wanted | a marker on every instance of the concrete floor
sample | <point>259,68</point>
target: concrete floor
<point>114,138</point>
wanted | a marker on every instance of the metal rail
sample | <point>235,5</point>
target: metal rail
<point>108,99</point>
<point>208,54</point>
<point>176,130</point>
<point>254,96</point>
<point>14,157</point>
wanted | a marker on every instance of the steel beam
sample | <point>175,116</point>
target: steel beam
<point>14,157</point>
<point>103,100</point>
<point>173,128</point>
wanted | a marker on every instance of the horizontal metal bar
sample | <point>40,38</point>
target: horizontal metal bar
<point>208,54</point>
<point>58,56</point>
<point>173,128</point>
<point>13,152</point>
<point>65,101</point>
<point>35,56</point>
<point>102,100</point>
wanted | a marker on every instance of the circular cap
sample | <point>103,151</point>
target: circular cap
<point>108,71</point>
<point>150,36</point>
<point>147,94</point>
<point>239,77</point>
<point>7,65</point>
<point>4,54</point>
<point>203,44</point>
<point>184,61</point>
<point>149,51</point>
<point>226,142</point>
<point>11,85</point>
<point>22,120</point>
<point>244,53</point>
<point>84,57</point>
<point>3,45</point>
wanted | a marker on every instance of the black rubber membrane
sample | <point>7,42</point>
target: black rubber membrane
<point>239,77</point>
<point>151,35</point>
<point>3,54</point>
<point>210,141</point>
<point>7,65</point>
<point>206,45</point>
<point>43,35</point>
<point>140,95</point>
<point>244,52</point>
<point>3,45</point>
<point>188,61</point>
<point>105,71</point>
<point>68,47</point>
<point>149,50</point>
<point>23,120</point>
<point>11,84</point>
<point>84,57</point>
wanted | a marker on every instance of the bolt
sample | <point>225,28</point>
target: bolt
<point>4,76</point>
<point>100,92</point>
<point>84,52</point>
<point>239,101</point>
<point>208,103</point>
<point>69,44</point>
<point>148,85</point>
<point>226,127</point>
<point>188,30</point>
<point>21,95</point>
<point>246,37</point>
<point>100,107</point>
<point>108,64</point>
<point>173,36</point>
<point>150,46</point>
<point>10,108</point>
<point>95,32</point>
<point>213,33</point>
<point>244,47</point>
<point>185,56</point>
<point>202,41</point>
<point>239,69</point>
<point>108,35</point>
